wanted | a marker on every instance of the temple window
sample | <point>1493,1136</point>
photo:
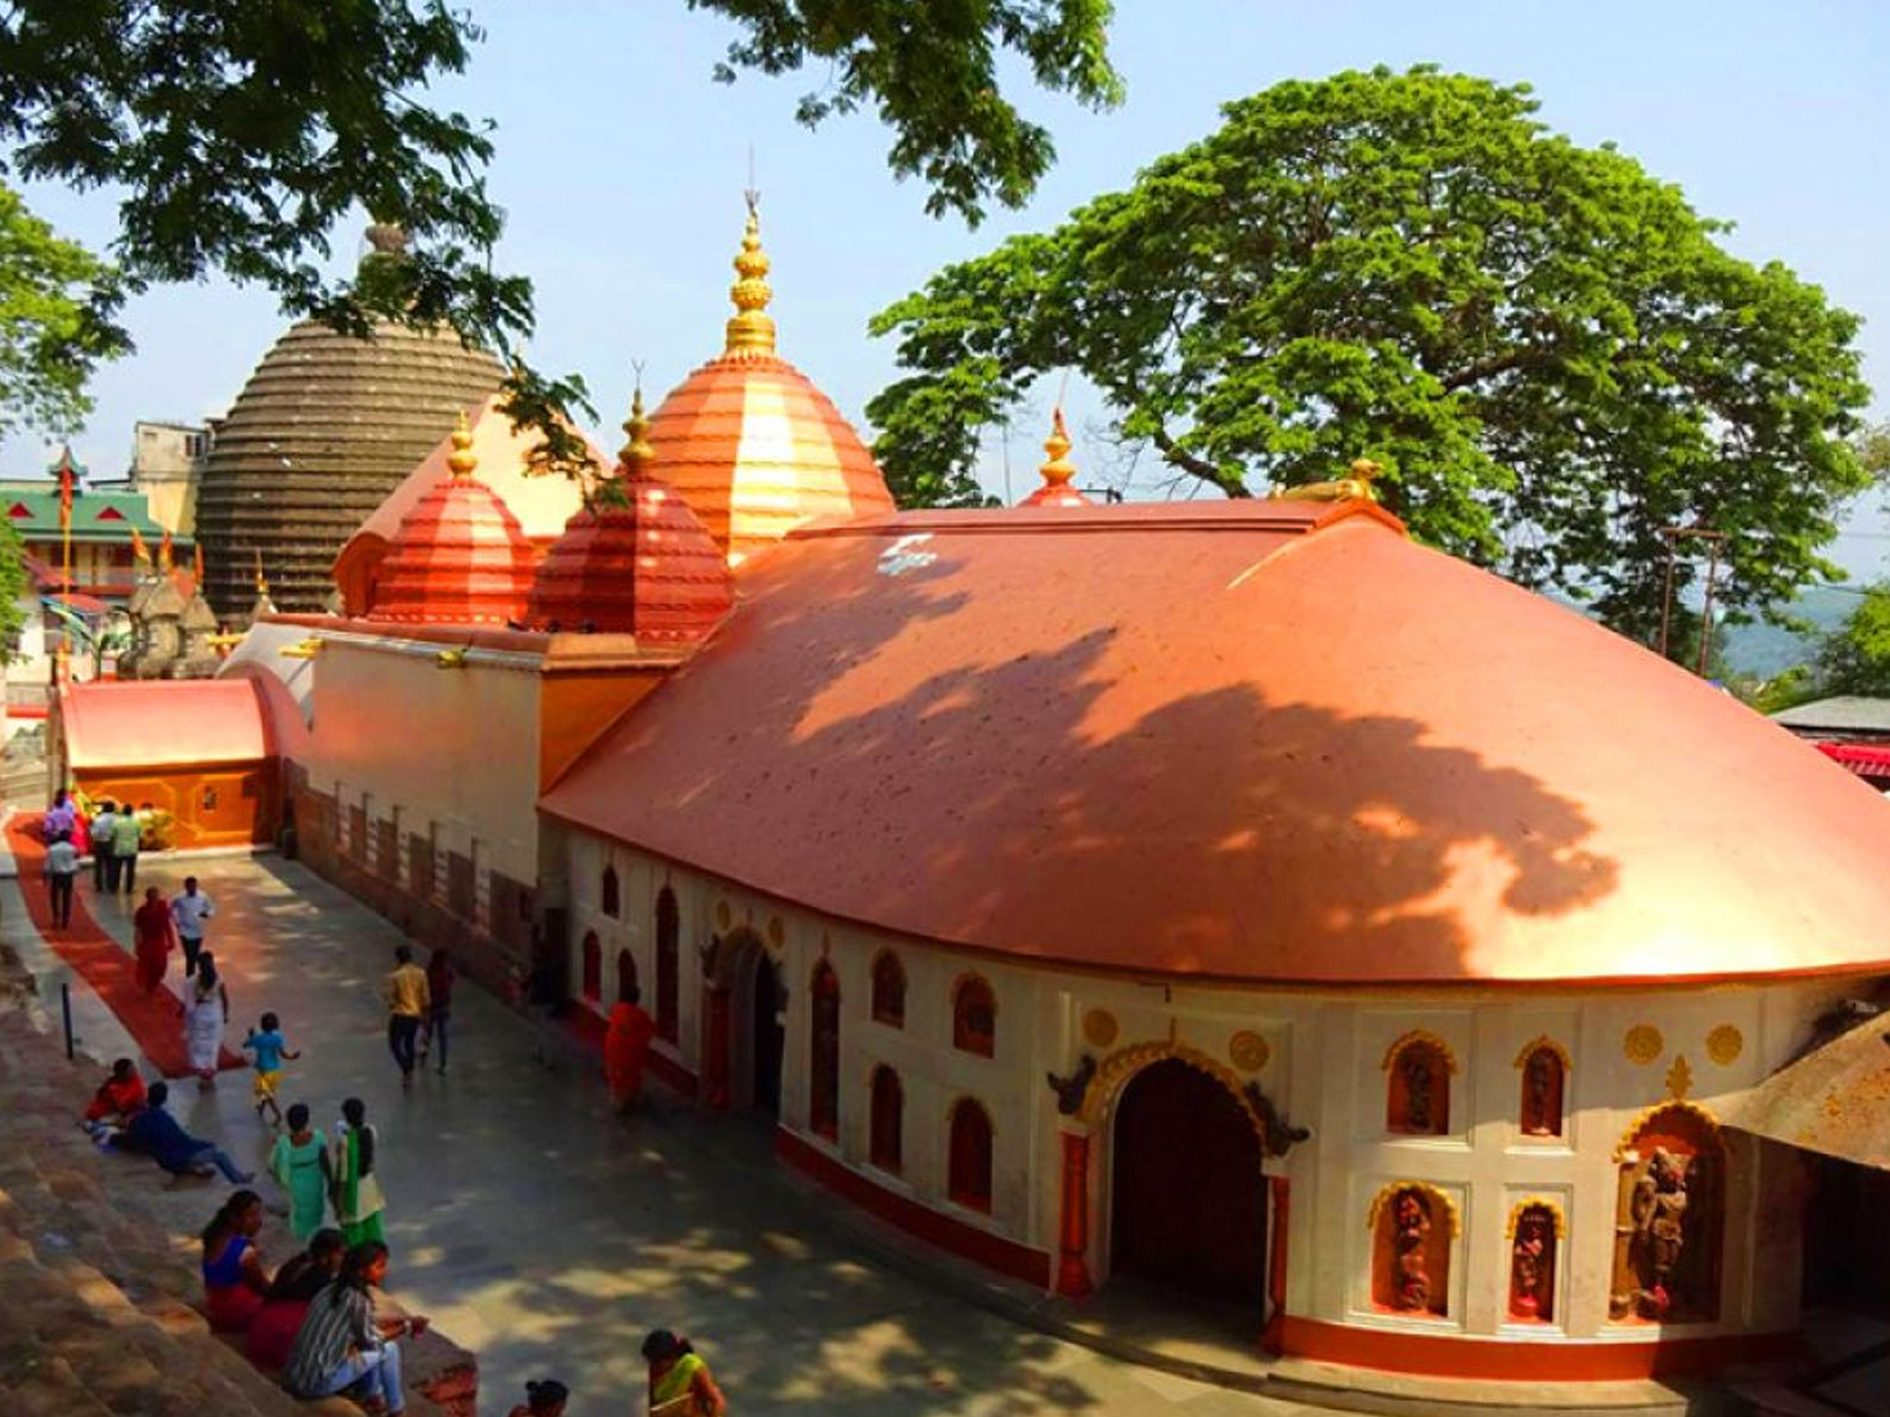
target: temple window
<point>668,936</point>
<point>1412,1227</point>
<point>1544,1068</point>
<point>1668,1219</point>
<point>969,1168</point>
<point>974,1017</point>
<point>884,1147</point>
<point>610,896</point>
<point>1417,1086</point>
<point>626,976</point>
<point>823,1108</point>
<point>889,990</point>
<point>1535,1234</point>
<point>593,967</point>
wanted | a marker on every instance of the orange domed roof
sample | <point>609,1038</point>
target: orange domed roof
<point>637,563</point>
<point>459,557</point>
<point>1057,471</point>
<point>748,441</point>
<point>1263,741</point>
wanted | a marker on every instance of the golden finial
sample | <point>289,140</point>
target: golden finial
<point>262,581</point>
<point>752,328</point>
<point>636,454</point>
<point>1059,470</point>
<point>461,460</point>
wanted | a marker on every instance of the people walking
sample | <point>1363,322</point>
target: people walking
<point>207,1011</point>
<point>299,1162</point>
<point>104,877</point>
<point>626,1045</point>
<point>152,938</point>
<point>354,1155</point>
<point>155,1132</point>
<point>188,911</point>
<point>62,869</point>
<point>440,977</point>
<point>61,818</point>
<point>407,1003</point>
<point>342,1342</point>
<point>680,1383</point>
<point>127,837</point>
<point>270,1047</point>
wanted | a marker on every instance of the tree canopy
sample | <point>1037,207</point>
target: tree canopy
<point>1547,349</point>
<point>57,307</point>
<point>1855,658</point>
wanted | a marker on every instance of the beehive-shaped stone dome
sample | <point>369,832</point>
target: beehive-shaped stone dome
<point>325,428</point>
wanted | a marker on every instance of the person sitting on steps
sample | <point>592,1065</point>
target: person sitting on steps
<point>156,1133</point>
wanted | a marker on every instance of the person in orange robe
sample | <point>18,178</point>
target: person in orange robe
<point>156,936</point>
<point>626,1045</point>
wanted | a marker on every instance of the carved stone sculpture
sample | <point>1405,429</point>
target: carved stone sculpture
<point>1541,1107</point>
<point>1411,1225</point>
<point>1528,1282</point>
<point>1070,1090</point>
<point>1415,1066</point>
<point>1658,1214</point>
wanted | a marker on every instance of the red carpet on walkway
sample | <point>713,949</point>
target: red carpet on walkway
<point>104,964</point>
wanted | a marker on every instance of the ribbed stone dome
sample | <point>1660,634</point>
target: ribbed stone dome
<point>325,428</point>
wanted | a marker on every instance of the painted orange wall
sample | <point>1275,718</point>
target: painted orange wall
<point>215,804</point>
<point>575,708</point>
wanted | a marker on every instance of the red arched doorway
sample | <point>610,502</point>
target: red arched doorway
<point>1188,1200</point>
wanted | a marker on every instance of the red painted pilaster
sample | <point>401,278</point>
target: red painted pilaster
<point>1280,1198</point>
<point>716,1064</point>
<point>1073,1266</point>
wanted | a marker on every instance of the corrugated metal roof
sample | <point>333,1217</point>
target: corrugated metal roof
<point>1847,713</point>
<point>1834,1100</point>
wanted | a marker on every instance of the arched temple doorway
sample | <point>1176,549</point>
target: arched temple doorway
<point>1188,1197</point>
<point>742,1032</point>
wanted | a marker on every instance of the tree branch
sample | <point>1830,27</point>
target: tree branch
<point>1177,456</point>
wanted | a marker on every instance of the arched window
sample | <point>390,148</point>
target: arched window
<point>969,1169</point>
<point>593,967</point>
<point>668,933</point>
<point>974,1017</point>
<point>626,976</point>
<point>889,990</point>
<point>1417,1090</point>
<point>884,1147</point>
<point>1544,1080</point>
<point>611,896</point>
<point>823,1108</point>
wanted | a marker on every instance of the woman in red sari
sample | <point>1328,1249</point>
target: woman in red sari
<point>626,1045</point>
<point>156,936</point>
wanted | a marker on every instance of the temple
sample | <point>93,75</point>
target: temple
<point>1240,896</point>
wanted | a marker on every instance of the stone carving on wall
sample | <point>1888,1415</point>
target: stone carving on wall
<point>1277,1135</point>
<point>1667,1222</point>
<point>1070,1090</point>
<point>1532,1264</point>
<point>1412,1227</point>
<point>1542,1086</point>
<point>1417,1093</point>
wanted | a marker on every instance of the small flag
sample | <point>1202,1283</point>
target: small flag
<point>197,563</point>
<point>164,552</point>
<point>65,496</point>
<point>139,551</point>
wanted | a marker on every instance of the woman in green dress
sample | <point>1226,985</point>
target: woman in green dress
<point>680,1385</point>
<point>299,1162</point>
<point>352,1164</point>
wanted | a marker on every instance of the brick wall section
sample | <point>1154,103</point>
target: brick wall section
<point>369,874</point>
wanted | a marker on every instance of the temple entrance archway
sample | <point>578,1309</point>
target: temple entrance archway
<point>743,1036</point>
<point>1188,1199</point>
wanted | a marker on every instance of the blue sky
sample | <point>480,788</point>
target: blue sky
<point>621,164</point>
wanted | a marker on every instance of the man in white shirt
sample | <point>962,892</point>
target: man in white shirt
<point>189,909</point>
<point>104,878</point>
<point>62,866</point>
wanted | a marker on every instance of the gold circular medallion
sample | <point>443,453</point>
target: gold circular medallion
<point>724,917</point>
<point>1643,1044</point>
<point>1249,1051</point>
<point>1099,1028</point>
<point>1724,1044</point>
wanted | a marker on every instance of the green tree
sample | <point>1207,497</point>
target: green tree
<point>57,303</point>
<point>1545,347</point>
<point>1855,658</point>
<point>12,587</point>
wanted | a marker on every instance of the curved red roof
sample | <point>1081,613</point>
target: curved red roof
<point>1262,741</point>
<point>170,722</point>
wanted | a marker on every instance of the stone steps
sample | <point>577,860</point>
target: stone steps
<point>98,1296</point>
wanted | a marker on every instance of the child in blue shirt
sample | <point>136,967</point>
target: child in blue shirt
<point>270,1048</point>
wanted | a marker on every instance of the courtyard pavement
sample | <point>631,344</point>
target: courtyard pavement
<point>541,1232</point>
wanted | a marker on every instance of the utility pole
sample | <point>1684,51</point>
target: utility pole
<point>1673,535</point>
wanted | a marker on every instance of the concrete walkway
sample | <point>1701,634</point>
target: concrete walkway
<point>547,1236</point>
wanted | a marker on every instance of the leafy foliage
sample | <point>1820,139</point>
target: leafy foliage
<point>931,72</point>
<point>1856,658</point>
<point>57,303</point>
<point>12,586</point>
<point>1543,345</point>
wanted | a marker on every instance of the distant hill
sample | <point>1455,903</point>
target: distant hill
<point>1763,650</point>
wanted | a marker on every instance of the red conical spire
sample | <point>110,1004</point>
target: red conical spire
<point>637,563</point>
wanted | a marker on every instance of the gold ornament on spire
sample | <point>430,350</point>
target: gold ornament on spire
<point>636,454</point>
<point>461,460</point>
<point>1356,488</point>
<point>262,581</point>
<point>752,328</point>
<point>1058,471</point>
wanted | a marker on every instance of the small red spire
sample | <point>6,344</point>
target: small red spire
<point>636,563</point>
<point>459,557</point>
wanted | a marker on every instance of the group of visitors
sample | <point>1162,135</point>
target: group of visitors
<point>339,1174</point>
<point>113,836</point>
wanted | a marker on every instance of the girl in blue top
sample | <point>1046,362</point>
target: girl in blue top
<point>270,1047</point>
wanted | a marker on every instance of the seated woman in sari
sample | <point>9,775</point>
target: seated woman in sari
<point>234,1280</point>
<point>680,1384</point>
<point>272,1332</point>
